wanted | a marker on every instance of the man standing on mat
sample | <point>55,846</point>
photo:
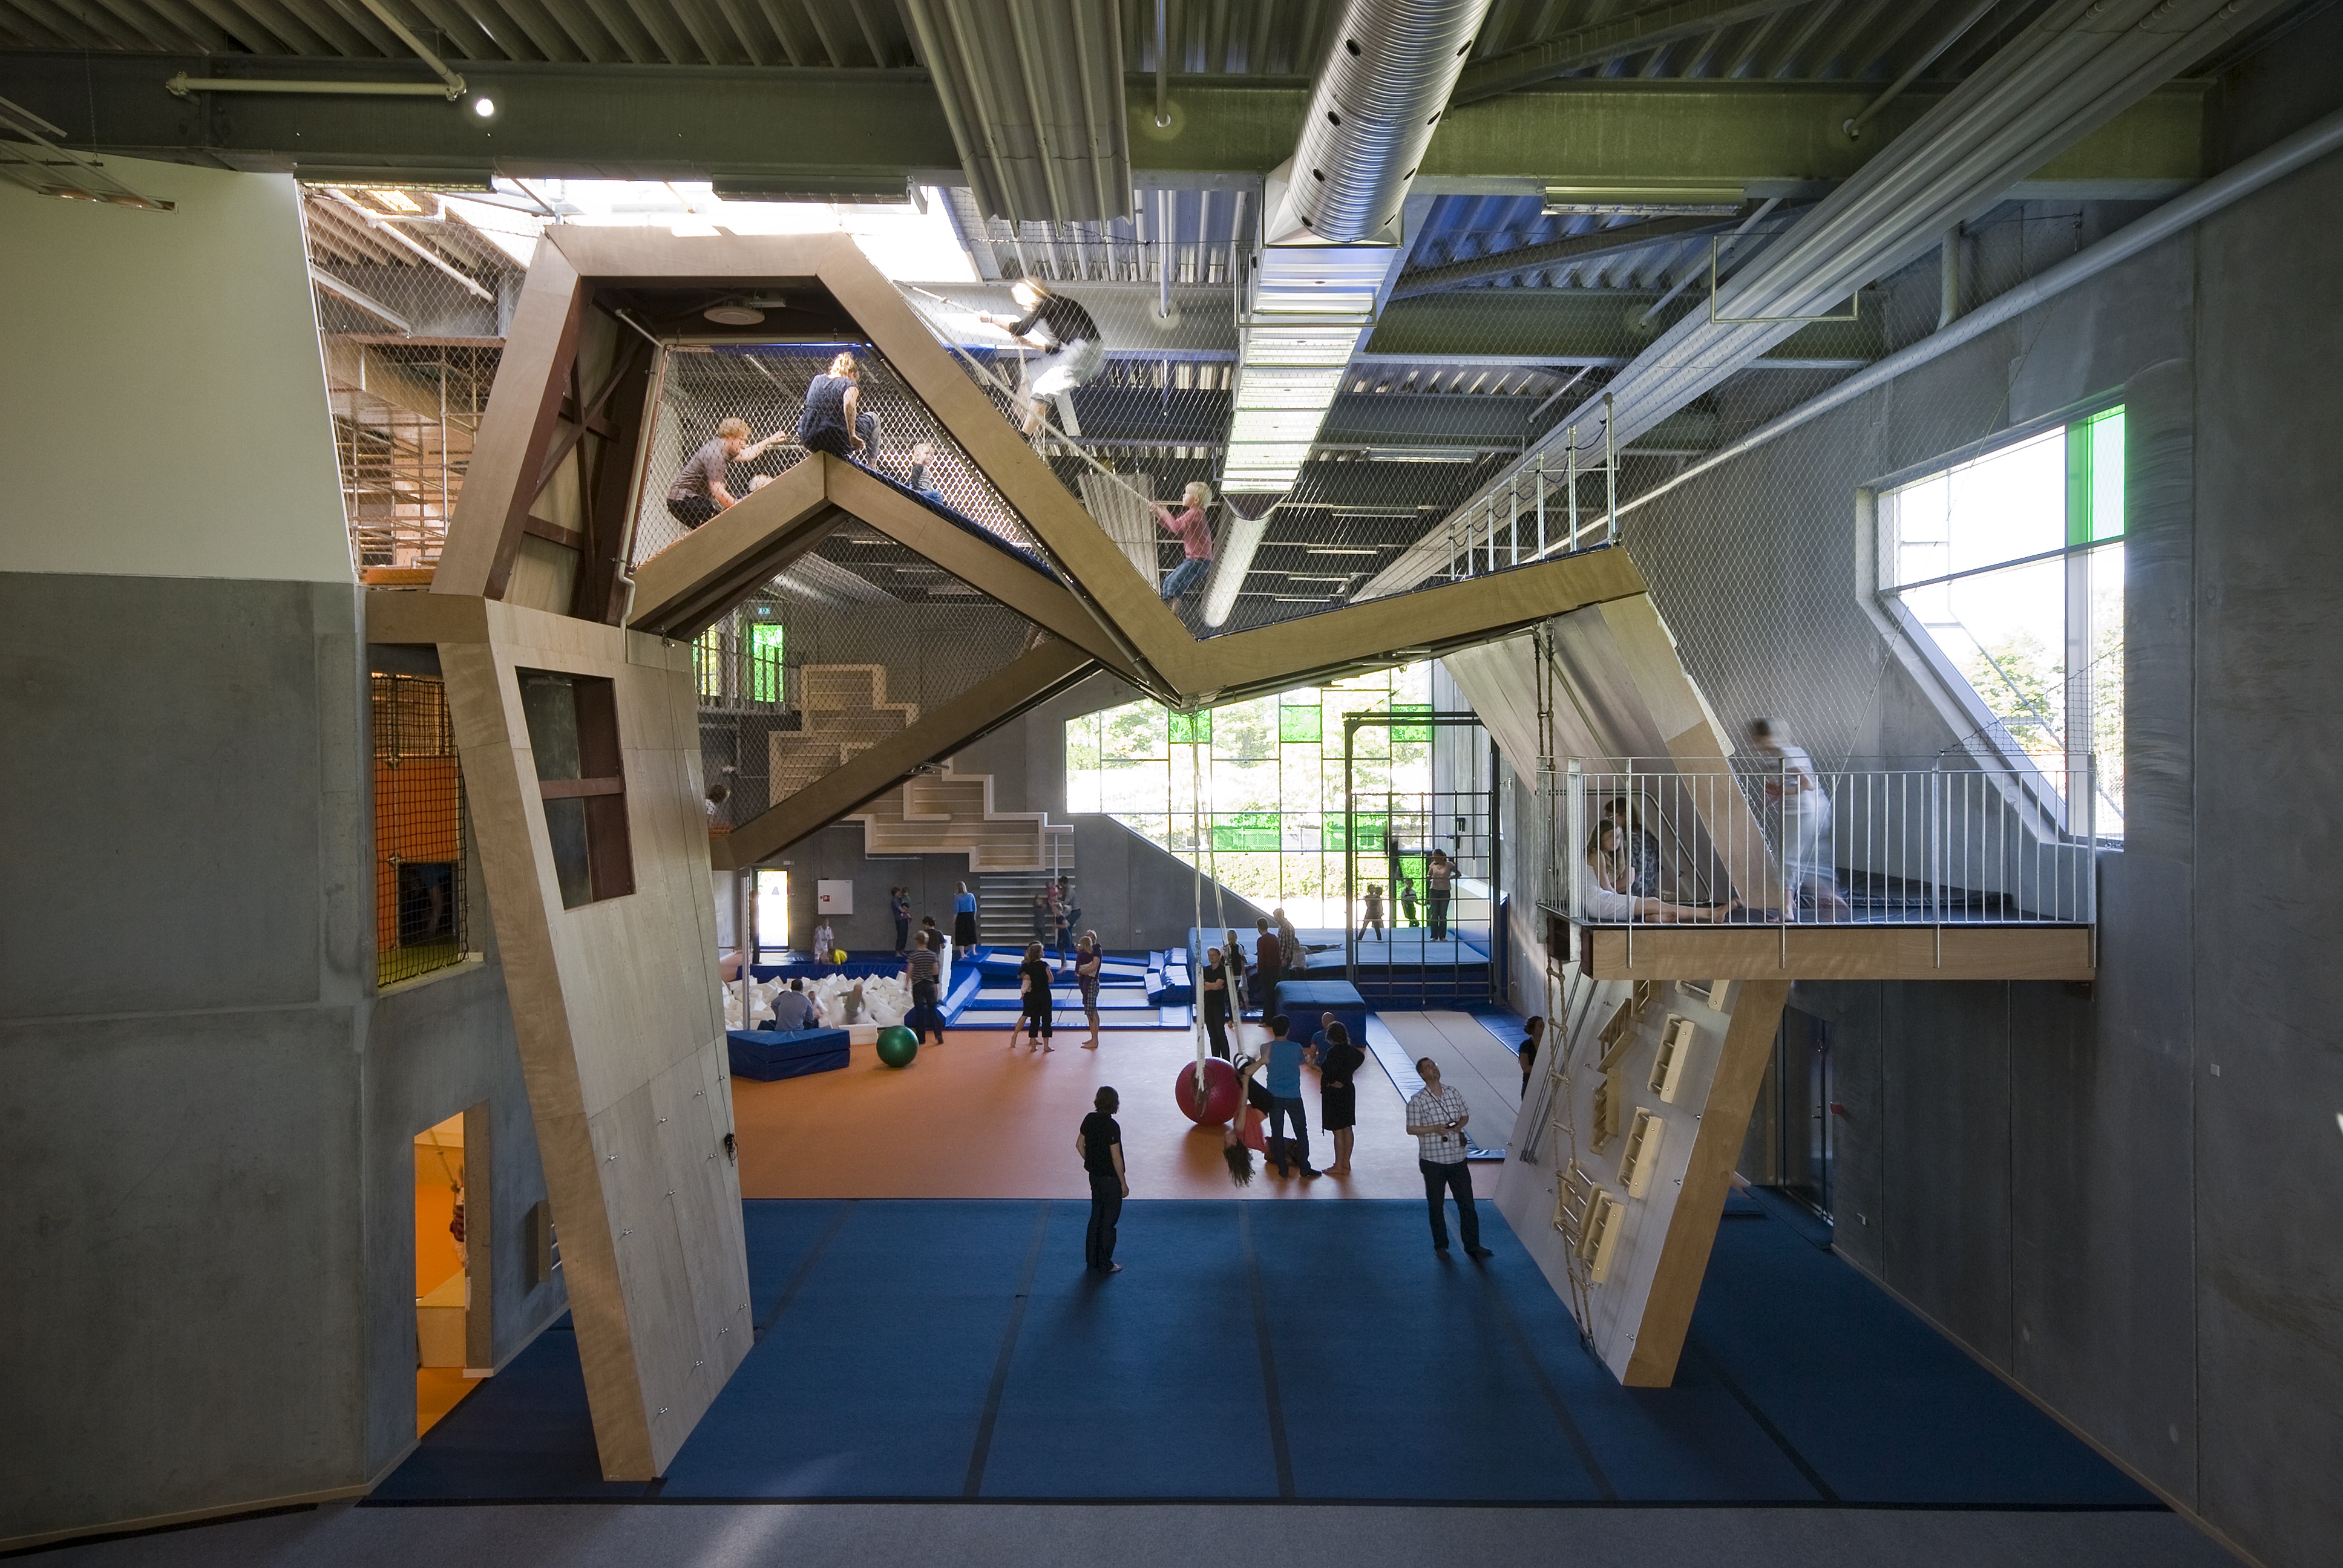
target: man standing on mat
<point>1100,1144</point>
<point>1437,1115</point>
<point>1282,1079</point>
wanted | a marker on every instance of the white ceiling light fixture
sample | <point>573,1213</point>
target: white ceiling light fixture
<point>734,313</point>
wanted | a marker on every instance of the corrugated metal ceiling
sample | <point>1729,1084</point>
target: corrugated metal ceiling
<point>1820,39</point>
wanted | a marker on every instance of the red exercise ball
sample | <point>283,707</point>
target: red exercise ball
<point>1221,1092</point>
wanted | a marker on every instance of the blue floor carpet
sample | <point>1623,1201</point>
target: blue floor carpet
<point>1258,1350</point>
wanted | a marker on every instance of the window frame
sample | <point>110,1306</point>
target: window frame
<point>1984,734</point>
<point>600,783</point>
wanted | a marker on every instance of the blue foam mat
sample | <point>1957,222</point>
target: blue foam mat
<point>1399,1376</point>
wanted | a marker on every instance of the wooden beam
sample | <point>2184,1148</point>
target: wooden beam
<point>484,533</point>
<point>1096,569</point>
<point>538,527</point>
<point>690,585</point>
<point>1403,626</point>
<point>984,707</point>
<point>1839,952</point>
<point>1699,1204</point>
<point>601,590</point>
<point>987,570</point>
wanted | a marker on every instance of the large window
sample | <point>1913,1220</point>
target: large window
<point>2010,565</point>
<point>1265,781</point>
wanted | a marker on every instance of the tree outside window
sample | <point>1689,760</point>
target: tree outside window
<point>2011,565</point>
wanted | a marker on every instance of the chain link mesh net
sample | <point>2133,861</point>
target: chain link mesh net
<point>412,306</point>
<point>854,642</point>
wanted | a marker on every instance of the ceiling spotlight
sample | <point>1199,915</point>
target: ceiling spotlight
<point>483,105</point>
<point>733,313</point>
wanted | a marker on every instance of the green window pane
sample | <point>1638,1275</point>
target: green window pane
<point>1372,830</point>
<point>1414,734</point>
<point>2108,475</point>
<point>767,644</point>
<point>1192,729</point>
<point>1299,726</point>
<point>1246,832</point>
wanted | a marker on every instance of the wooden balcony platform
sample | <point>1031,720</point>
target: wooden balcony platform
<point>1855,951</point>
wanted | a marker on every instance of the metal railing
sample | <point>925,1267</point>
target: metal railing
<point>1771,842</point>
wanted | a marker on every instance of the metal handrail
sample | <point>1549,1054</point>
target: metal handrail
<point>1776,842</point>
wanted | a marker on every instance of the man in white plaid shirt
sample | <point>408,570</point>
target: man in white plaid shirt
<point>1437,1115</point>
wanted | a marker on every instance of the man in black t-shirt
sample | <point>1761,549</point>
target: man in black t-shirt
<point>1099,1144</point>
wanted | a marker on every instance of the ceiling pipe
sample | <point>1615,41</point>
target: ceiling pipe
<point>2308,146</point>
<point>1377,100</point>
<point>1332,244</point>
<point>2055,83</point>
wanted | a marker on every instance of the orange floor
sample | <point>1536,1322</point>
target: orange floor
<point>972,1119</point>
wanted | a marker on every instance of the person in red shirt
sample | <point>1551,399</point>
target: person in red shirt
<point>1195,536</point>
<point>1270,954</point>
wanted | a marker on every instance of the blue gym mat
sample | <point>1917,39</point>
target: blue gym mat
<point>1267,1350</point>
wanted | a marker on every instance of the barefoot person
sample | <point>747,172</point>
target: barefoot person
<point>698,491</point>
<point>1088,961</point>
<point>1053,322</point>
<point>1195,536</point>
<point>1338,1094</point>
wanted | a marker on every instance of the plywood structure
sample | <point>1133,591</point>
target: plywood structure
<point>1838,953</point>
<point>616,1002</point>
<point>615,1011</point>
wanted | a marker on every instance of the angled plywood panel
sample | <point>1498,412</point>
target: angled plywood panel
<point>1620,690</point>
<point>691,584</point>
<point>1652,1140</point>
<point>615,1012</point>
<point>517,430</point>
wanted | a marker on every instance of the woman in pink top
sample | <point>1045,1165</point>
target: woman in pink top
<point>1195,541</point>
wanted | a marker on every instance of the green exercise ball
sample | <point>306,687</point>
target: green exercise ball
<point>896,1046</point>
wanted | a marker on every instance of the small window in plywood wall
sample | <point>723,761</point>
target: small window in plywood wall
<point>573,730</point>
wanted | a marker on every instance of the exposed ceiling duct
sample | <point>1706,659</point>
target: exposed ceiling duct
<point>1032,90</point>
<point>2069,72</point>
<point>1330,247</point>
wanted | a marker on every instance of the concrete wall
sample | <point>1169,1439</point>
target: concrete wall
<point>206,1132</point>
<point>210,1112</point>
<point>163,410</point>
<point>2123,1199</point>
<point>1132,893</point>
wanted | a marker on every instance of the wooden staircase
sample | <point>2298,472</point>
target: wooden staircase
<point>846,711</point>
<point>950,813</point>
